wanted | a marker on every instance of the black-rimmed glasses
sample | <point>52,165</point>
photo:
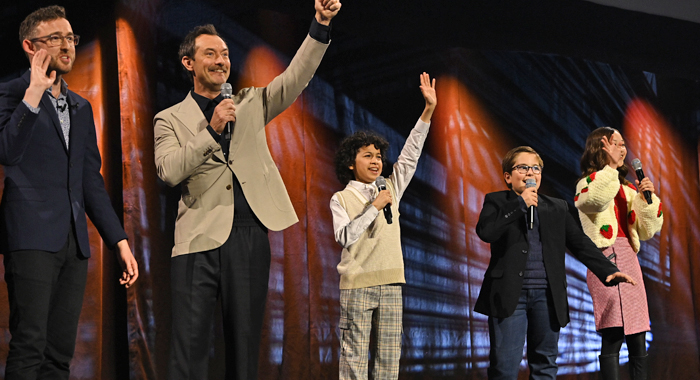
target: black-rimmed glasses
<point>523,169</point>
<point>57,40</point>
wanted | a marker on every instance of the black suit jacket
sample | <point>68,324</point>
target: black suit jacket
<point>502,223</point>
<point>46,185</point>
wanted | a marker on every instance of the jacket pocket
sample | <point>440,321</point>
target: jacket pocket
<point>22,194</point>
<point>496,273</point>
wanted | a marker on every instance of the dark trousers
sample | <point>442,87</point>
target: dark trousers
<point>535,318</point>
<point>45,291</point>
<point>238,272</point>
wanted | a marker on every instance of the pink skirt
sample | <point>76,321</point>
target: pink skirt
<point>622,305</point>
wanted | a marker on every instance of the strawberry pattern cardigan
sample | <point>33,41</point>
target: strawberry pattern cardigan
<point>595,201</point>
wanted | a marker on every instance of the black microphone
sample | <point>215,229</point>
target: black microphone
<point>637,165</point>
<point>381,185</point>
<point>227,92</point>
<point>530,182</point>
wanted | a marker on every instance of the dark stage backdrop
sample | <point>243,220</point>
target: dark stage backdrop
<point>489,102</point>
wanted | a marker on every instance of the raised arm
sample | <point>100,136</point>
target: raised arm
<point>286,87</point>
<point>18,112</point>
<point>406,164</point>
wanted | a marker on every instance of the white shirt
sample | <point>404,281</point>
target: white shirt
<point>347,231</point>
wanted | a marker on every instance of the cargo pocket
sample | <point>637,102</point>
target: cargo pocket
<point>345,333</point>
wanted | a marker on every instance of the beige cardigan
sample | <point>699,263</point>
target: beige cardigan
<point>595,201</point>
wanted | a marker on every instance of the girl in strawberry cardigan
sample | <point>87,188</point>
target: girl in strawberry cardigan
<point>615,215</point>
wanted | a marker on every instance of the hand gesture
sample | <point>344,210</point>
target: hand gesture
<point>130,269</point>
<point>614,152</point>
<point>223,113</point>
<point>326,10</point>
<point>39,81</point>
<point>383,199</point>
<point>645,185</point>
<point>428,90</point>
<point>529,195</point>
<point>618,277</point>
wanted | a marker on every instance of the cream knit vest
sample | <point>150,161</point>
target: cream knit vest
<point>376,257</point>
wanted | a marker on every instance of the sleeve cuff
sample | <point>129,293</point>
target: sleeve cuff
<point>34,110</point>
<point>320,33</point>
<point>372,211</point>
<point>214,135</point>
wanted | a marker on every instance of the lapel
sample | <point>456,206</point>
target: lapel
<point>192,117</point>
<point>73,106</point>
<point>544,218</point>
<point>51,111</point>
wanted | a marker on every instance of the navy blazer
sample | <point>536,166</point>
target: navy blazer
<point>502,223</point>
<point>46,185</point>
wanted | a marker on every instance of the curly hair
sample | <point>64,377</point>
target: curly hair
<point>350,146</point>
<point>595,158</point>
<point>46,14</point>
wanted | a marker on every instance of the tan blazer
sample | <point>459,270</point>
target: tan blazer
<point>186,154</point>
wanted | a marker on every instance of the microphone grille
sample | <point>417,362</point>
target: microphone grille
<point>381,181</point>
<point>226,90</point>
<point>636,164</point>
<point>530,182</point>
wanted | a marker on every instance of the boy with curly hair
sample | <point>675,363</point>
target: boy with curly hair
<point>371,266</point>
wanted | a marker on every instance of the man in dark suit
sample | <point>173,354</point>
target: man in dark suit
<point>524,289</point>
<point>48,148</point>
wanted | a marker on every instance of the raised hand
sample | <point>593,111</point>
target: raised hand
<point>39,81</point>
<point>326,10</point>
<point>614,152</point>
<point>427,88</point>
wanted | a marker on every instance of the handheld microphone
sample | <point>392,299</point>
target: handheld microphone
<point>530,182</point>
<point>381,185</point>
<point>637,165</point>
<point>227,92</point>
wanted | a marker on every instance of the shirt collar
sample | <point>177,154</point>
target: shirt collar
<point>203,102</point>
<point>363,186</point>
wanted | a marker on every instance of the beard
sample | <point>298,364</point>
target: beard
<point>58,67</point>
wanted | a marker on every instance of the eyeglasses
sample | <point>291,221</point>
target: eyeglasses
<point>523,169</point>
<point>57,40</point>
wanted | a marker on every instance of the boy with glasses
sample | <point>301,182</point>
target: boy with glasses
<point>524,288</point>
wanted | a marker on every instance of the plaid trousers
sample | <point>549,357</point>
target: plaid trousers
<point>362,309</point>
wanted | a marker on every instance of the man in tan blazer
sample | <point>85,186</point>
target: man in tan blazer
<point>232,193</point>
